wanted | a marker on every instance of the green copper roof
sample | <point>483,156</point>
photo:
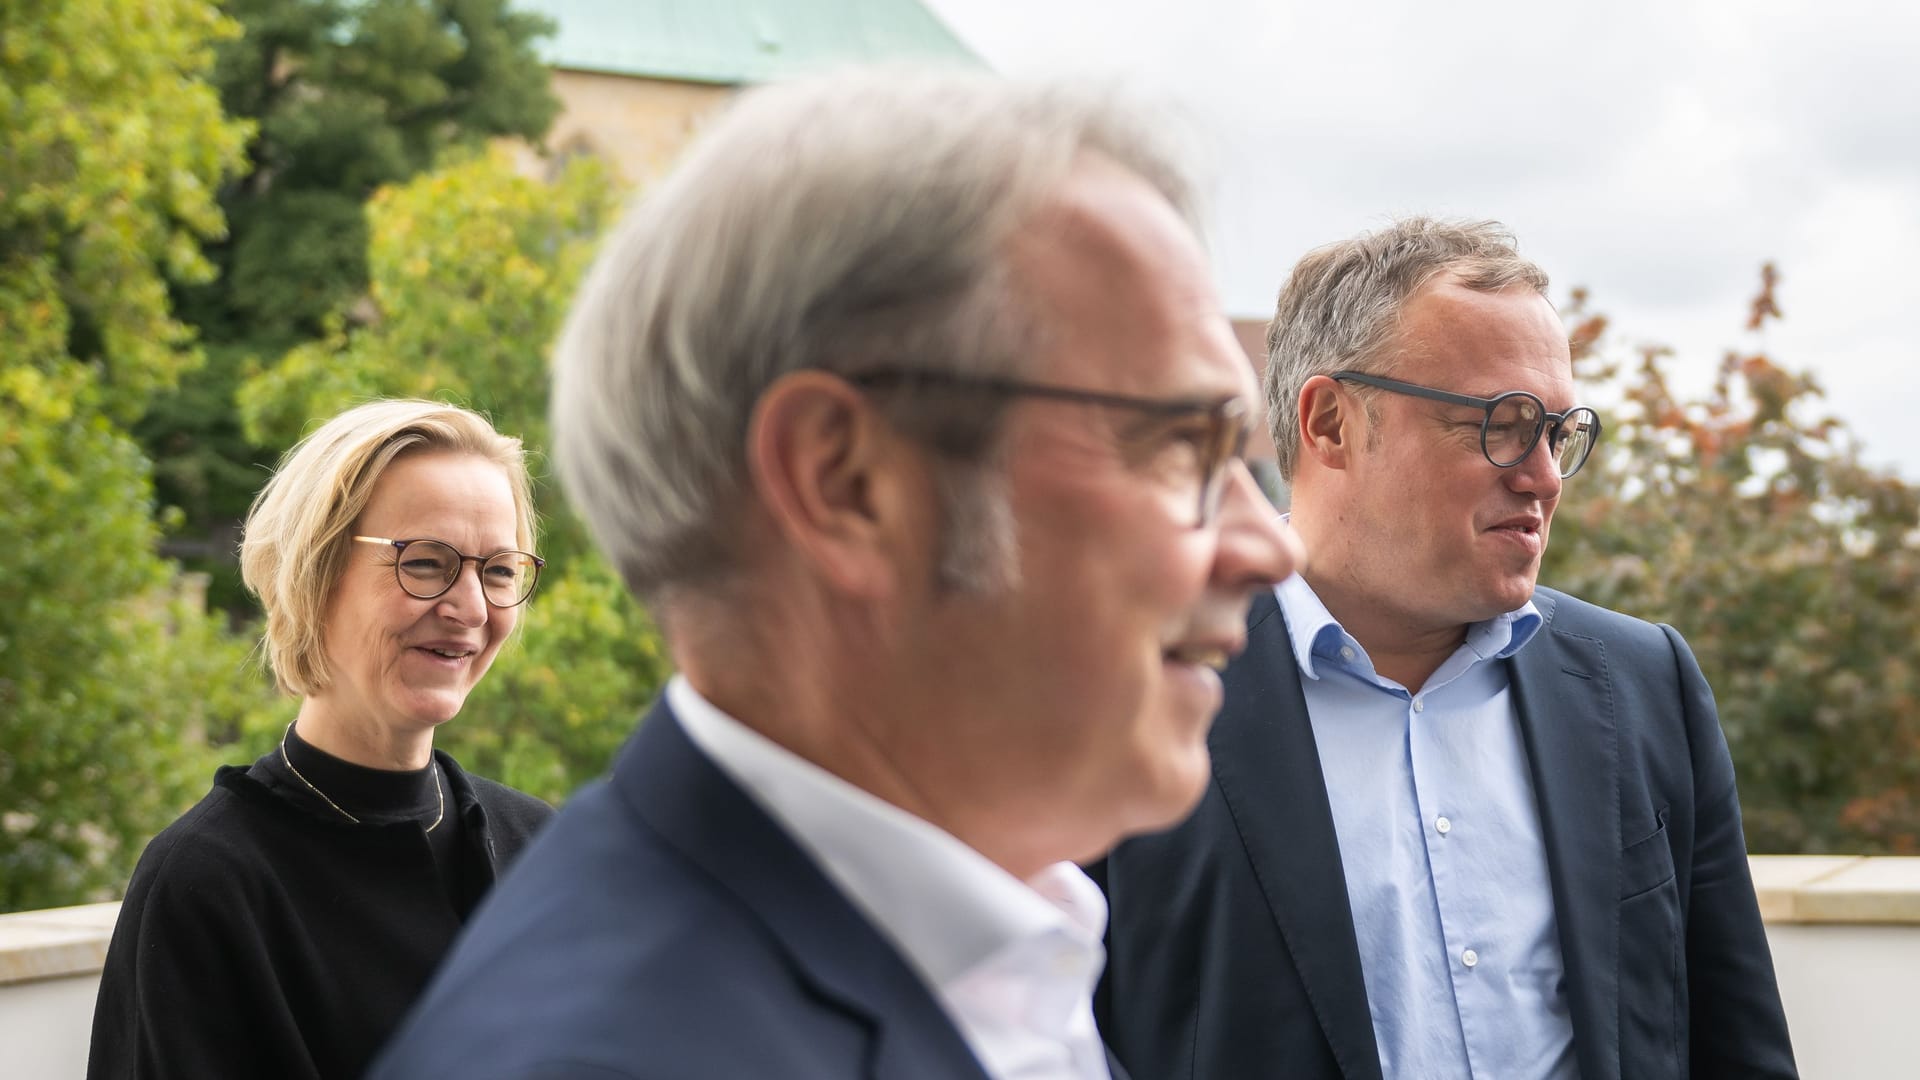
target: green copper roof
<point>739,41</point>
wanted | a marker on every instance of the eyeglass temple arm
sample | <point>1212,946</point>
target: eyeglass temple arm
<point>1416,390</point>
<point>994,384</point>
<point>482,559</point>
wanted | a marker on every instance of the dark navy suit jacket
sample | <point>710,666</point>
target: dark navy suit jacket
<point>1232,950</point>
<point>663,926</point>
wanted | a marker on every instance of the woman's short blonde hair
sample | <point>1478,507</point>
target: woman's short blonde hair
<point>299,531</point>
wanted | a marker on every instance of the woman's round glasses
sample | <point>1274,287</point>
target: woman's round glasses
<point>426,569</point>
<point>1512,425</point>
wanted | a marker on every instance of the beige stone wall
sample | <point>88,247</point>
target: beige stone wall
<point>640,125</point>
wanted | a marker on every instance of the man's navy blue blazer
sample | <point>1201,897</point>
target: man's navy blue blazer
<point>1232,952</point>
<point>664,926</point>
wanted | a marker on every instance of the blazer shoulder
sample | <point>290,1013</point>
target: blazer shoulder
<point>1568,614</point>
<point>641,957</point>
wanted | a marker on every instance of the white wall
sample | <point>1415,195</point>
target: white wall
<point>1845,935</point>
<point>1852,995</point>
<point>44,1026</point>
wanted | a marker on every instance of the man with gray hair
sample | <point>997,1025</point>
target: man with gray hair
<point>1459,826</point>
<point>908,407</point>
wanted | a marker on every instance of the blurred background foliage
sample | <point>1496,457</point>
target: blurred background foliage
<point>471,269</point>
<point>220,224</point>
<point>183,292</point>
<point>343,97</point>
<point>113,679</point>
<point>1745,518</point>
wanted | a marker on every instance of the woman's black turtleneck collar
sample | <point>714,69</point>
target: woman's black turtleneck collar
<point>372,795</point>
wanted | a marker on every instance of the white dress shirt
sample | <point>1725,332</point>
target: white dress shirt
<point>1013,963</point>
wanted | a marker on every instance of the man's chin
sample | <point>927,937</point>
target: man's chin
<point>1177,796</point>
<point>1512,588</point>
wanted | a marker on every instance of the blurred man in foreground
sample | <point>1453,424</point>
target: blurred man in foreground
<point>1458,826</point>
<point>907,406</point>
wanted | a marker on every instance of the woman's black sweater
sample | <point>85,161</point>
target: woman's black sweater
<point>264,935</point>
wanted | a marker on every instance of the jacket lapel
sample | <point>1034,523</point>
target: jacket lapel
<point>1267,769</point>
<point>1563,695</point>
<point>690,802</point>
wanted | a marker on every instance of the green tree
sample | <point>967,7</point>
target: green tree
<point>473,267</point>
<point>345,96</point>
<point>114,681</point>
<point>350,96</point>
<point>1747,520</point>
<point>114,146</point>
<point>110,676</point>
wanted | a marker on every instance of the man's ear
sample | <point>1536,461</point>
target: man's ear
<point>824,465</point>
<point>1331,423</point>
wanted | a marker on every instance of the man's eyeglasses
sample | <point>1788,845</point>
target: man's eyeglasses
<point>1513,423</point>
<point>426,569</point>
<point>1217,430</point>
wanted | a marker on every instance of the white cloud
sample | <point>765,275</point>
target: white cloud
<point>1657,153</point>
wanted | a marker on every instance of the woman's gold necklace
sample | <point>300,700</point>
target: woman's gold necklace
<point>437,793</point>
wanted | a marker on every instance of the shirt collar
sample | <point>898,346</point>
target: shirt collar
<point>1316,635</point>
<point>1505,634</point>
<point>947,907</point>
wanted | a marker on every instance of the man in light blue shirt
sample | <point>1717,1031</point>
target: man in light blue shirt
<point>1459,827</point>
<point>1441,849</point>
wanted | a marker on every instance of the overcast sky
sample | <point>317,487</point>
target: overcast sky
<point>1657,153</point>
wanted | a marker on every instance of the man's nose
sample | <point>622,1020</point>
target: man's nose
<point>1257,549</point>
<point>1538,474</point>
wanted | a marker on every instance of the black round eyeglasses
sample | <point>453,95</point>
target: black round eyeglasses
<point>1512,425</point>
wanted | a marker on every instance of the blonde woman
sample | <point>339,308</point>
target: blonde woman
<point>285,923</point>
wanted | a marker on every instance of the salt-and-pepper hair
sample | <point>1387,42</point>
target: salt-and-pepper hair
<point>299,533</point>
<point>1340,308</point>
<point>840,222</point>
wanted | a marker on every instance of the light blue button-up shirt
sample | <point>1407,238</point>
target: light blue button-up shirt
<point>1440,843</point>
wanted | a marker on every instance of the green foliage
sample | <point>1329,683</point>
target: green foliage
<point>473,267</point>
<point>202,458</point>
<point>1747,521</point>
<point>350,96</point>
<point>114,147</point>
<point>566,692</point>
<point>346,96</point>
<point>112,679</point>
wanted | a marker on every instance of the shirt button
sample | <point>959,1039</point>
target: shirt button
<point>1419,704</point>
<point>1443,825</point>
<point>1470,958</point>
<point>1346,652</point>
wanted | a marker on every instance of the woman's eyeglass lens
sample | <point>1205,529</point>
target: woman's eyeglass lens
<point>426,569</point>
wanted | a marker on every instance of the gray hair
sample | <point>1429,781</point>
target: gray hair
<point>839,222</point>
<point>1340,308</point>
